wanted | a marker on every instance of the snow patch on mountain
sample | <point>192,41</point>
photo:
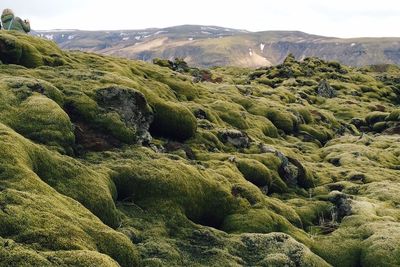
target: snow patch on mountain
<point>160,32</point>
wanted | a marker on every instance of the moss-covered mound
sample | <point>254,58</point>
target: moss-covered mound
<point>113,162</point>
<point>18,48</point>
<point>172,120</point>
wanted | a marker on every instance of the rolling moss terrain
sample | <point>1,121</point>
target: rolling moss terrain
<point>113,162</point>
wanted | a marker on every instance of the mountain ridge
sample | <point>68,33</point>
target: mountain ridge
<point>208,46</point>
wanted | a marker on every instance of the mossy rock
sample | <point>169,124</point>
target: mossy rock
<point>184,90</point>
<point>267,127</point>
<point>284,121</point>
<point>376,116</point>
<point>394,115</point>
<point>23,88</point>
<point>37,207</point>
<point>42,120</point>
<point>255,172</point>
<point>154,183</point>
<point>321,134</point>
<point>172,120</point>
<point>305,114</point>
<point>119,114</point>
<point>256,221</point>
<point>311,212</point>
<point>163,62</point>
<point>17,48</point>
<point>379,126</point>
<point>132,109</point>
<point>231,113</point>
<point>276,249</point>
<point>13,51</point>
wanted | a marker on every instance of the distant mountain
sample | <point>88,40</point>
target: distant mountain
<point>210,45</point>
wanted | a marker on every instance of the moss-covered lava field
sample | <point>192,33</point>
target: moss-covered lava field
<point>114,162</point>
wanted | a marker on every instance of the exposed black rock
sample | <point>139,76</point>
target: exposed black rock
<point>131,105</point>
<point>237,138</point>
<point>342,204</point>
<point>325,90</point>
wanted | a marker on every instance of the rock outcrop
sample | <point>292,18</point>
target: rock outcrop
<point>236,138</point>
<point>131,106</point>
<point>325,90</point>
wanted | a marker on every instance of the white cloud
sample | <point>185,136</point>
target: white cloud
<point>343,18</point>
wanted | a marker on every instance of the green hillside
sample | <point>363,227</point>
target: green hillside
<point>113,162</point>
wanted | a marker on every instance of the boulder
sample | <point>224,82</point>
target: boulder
<point>297,172</point>
<point>342,204</point>
<point>292,172</point>
<point>200,114</point>
<point>325,90</point>
<point>131,106</point>
<point>236,138</point>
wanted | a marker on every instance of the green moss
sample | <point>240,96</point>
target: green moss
<point>170,201</point>
<point>23,88</point>
<point>255,172</point>
<point>173,121</point>
<point>255,221</point>
<point>17,48</point>
<point>311,212</point>
<point>231,113</point>
<point>184,90</point>
<point>305,114</point>
<point>282,120</point>
<point>32,203</point>
<point>320,133</point>
<point>163,62</point>
<point>379,126</point>
<point>260,221</point>
<point>82,106</point>
<point>375,116</point>
<point>270,130</point>
<point>42,120</point>
<point>394,115</point>
<point>159,182</point>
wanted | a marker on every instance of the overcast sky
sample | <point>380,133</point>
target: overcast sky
<point>341,18</point>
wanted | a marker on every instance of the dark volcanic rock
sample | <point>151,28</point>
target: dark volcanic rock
<point>237,138</point>
<point>325,90</point>
<point>131,105</point>
<point>358,122</point>
<point>200,114</point>
<point>288,171</point>
<point>394,129</point>
<point>89,139</point>
<point>292,172</point>
<point>342,204</point>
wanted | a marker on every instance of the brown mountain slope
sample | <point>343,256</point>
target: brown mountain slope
<point>211,46</point>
